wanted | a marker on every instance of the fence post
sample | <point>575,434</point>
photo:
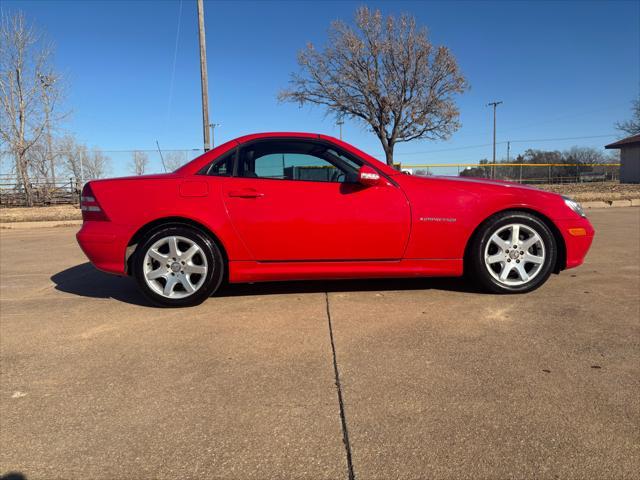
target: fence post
<point>73,186</point>
<point>549,173</point>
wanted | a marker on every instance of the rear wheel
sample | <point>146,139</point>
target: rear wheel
<point>513,252</point>
<point>178,266</point>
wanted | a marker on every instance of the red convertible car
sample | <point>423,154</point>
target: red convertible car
<point>299,206</point>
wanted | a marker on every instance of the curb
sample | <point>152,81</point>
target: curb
<point>635,202</point>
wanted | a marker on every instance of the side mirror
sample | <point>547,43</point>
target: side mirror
<point>368,177</point>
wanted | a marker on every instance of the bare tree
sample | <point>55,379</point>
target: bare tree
<point>38,162</point>
<point>174,160</point>
<point>586,155</point>
<point>51,93</point>
<point>24,62</point>
<point>73,156</point>
<point>97,166</point>
<point>81,163</point>
<point>631,127</point>
<point>385,73</point>
<point>139,162</point>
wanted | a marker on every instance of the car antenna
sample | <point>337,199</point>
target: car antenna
<point>161,157</point>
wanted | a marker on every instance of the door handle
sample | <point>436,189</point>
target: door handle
<point>245,194</point>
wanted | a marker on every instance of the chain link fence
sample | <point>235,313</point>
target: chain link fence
<point>527,173</point>
<point>71,174</point>
<point>73,170</point>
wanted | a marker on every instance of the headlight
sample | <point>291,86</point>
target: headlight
<point>575,206</point>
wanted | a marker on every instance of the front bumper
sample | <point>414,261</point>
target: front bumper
<point>104,244</point>
<point>578,234</point>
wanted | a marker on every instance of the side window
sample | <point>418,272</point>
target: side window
<point>295,160</point>
<point>270,165</point>
<point>223,167</point>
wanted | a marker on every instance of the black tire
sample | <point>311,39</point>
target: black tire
<point>480,271</point>
<point>212,278</point>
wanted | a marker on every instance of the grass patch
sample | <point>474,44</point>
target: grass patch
<point>40,214</point>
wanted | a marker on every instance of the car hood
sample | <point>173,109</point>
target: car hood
<point>485,181</point>
<point>481,185</point>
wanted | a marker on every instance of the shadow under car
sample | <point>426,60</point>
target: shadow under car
<point>86,281</point>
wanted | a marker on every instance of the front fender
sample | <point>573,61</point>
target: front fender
<point>445,214</point>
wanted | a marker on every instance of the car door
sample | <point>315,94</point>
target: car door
<point>298,200</point>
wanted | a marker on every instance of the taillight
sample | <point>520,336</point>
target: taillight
<point>91,209</point>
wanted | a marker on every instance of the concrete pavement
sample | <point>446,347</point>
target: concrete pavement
<point>437,381</point>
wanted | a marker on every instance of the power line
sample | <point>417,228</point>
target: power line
<point>565,138</point>
<point>153,150</point>
<point>468,147</point>
<point>173,69</point>
<point>563,117</point>
<point>2,152</point>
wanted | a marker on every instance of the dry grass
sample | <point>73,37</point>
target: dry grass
<point>593,192</point>
<point>39,214</point>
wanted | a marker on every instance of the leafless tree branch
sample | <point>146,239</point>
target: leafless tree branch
<point>386,73</point>
<point>631,127</point>
<point>139,162</point>
<point>29,99</point>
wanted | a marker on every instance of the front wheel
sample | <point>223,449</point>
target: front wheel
<point>513,252</point>
<point>178,266</point>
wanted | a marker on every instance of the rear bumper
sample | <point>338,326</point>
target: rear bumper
<point>104,244</point>
<point>578,234</point>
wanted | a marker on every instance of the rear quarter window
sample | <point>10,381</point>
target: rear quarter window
<point>221,167</point>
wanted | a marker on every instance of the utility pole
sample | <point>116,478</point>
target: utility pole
<point>495,104</point>
<point>203,76</point>
<point>213,131</point>
<point>508,149</point>
<point>340,122</point>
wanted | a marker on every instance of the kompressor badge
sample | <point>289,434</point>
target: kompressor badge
<point>438,219</point>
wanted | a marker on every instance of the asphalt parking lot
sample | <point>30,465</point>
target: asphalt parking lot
<point>436,380</point>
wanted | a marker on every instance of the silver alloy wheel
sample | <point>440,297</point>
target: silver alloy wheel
<point>514,254</point>
<point>175,267</point>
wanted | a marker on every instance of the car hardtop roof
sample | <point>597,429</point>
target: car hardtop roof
<point>257,136</point>
<point>197,163</point>
<point>319,136</point>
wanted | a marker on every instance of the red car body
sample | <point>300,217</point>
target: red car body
<point>406,226</point>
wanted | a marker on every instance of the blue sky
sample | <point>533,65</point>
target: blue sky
<point>562,69</point>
